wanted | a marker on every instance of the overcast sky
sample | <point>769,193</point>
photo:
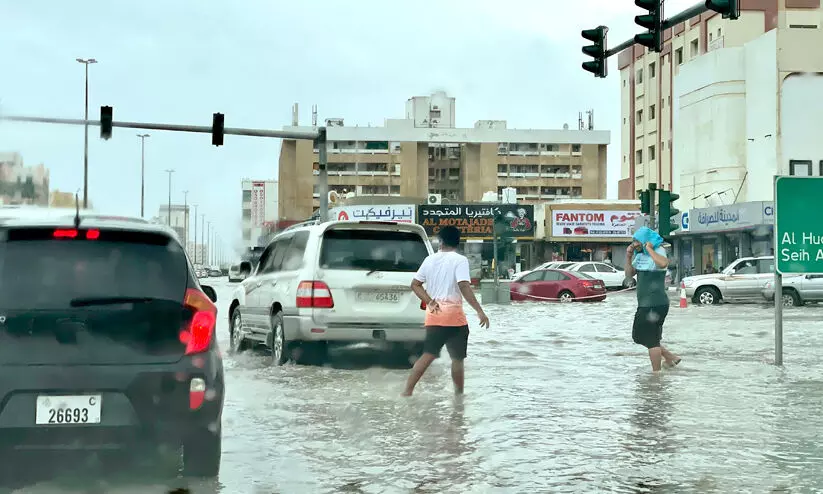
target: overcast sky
<point>181,61</point>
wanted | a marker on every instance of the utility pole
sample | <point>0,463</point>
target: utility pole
<point>142,173</point>
<point>186,217</point>
<point>86,62</point>
<point>169,172</point>
<point>203,236</point>
<point>194,242</point>
<point>208,243</point>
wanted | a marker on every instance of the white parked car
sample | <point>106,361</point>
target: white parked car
<point>610,275</point>
<point>340,283</point>
<point>743,279</point>
<point>235,274</point>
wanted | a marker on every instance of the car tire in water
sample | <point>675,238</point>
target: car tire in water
<point>202,451</point>
<point>280,350</point>
<point>566,296</point>
<point>237,343</point>
<point>707,295</point>
<point>791,298</point>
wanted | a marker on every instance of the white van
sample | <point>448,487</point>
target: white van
<point>339,282</point>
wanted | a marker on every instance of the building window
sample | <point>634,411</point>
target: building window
<point>639,117</point>
<point>638,157</point>
<point>246,196</point>
<point>821,168</point>
<point>247,214</point>
<point>639,76</point>
<point>651,153</point>
<point>800,168</point>
<point>695,48</point>
<point>624,82</point>
<point>678,56</point>
<point>651,112</point>
<point>395,189</point>
<point>575,148</point>
<point>652,70</point>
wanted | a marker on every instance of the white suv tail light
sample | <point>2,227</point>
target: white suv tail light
<point>314,295</point>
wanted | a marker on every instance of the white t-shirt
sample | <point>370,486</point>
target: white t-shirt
<point>441,272</point>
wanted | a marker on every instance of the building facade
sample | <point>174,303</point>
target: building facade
<point>20,184</point>
<point>725,106</point>
<point>424,156</point>
<point>178,220</point>
<point>258,210</point>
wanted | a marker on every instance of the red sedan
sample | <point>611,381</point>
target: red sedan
<point>552,285</point>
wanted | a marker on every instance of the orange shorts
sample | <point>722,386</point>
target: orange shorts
<point>450,314</point>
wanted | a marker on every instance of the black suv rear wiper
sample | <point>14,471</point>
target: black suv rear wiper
<point>87,301</point>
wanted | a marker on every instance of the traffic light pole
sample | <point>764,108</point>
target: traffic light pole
<point>318,135</point>
<point>668,23</point>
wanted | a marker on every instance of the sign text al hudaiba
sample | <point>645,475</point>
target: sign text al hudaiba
<point>798,229</point>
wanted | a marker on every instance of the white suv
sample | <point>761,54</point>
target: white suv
<point>339,282</point>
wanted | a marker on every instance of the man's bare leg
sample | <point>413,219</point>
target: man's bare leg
<point>458,376</point>
<point>417,372</point>
<point>671,359</point>
<point>656,356</point>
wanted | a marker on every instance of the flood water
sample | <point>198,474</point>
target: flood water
<point>558,399</point>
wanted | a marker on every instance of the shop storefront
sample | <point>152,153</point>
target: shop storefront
<point>476,225</point>
<point>590,232</point>
<point>711,238</point>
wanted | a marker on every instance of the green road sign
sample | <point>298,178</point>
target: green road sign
<point>798,226</point>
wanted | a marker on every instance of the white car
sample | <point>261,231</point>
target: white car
<point>743,279</point>
<point>338,282</point>
<point>236,274</point>
<point>611,276</point>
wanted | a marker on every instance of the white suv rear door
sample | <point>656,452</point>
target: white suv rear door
<point>368,268</point>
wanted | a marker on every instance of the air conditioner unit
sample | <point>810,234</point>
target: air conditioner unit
<point>434,199</point>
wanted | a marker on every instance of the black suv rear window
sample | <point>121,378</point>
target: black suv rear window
<point>39,272</point>
<point>372,250</point>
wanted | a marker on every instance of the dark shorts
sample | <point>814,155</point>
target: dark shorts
<point>456,339</point>
<point>648,325</point>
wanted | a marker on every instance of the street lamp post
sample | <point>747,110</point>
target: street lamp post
<point>186,219</point>
<point>86,62</point>
<point>194,242</point>
<point>142,173</point>
<point>169,172</point>
<point>208,242</point>
<point>203,236</point>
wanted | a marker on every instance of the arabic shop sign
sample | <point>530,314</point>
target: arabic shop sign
<point>401,213</point>
<point>602,224</point>
<point>731,217</point>
<point>477,221</point>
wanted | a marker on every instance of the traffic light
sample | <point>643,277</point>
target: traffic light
<point>729,9</point>
<point>667,213</point>
<point>106,121</point>
<point>598,66</point>
<point>217,129</point>
<point>645,202</point>
<point>652,21</point>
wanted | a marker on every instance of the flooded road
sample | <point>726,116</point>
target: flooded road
<point>558,399</point>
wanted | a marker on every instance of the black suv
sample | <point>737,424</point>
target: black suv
<point>107,340</point>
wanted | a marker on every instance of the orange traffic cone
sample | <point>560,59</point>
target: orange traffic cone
<point>683,302</point>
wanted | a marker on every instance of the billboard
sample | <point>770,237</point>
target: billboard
<point>401,213</point>
<point>579,223</point>
<point>476,222</point>
<point>258,204</point>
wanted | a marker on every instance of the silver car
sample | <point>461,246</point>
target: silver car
<point>797,289</point>
<point>743,279</point>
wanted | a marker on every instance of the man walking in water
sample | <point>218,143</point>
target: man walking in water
<point>648,259</point>
<point>446,276</point>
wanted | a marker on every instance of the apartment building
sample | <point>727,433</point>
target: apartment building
<point>258,210</point>
<point>178,219</point>
<point>20,184</point>
<point>424,156</point>
<point>725,106</point>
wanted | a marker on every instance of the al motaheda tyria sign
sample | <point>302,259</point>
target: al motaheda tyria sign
<point>477,221</point>
<point>798,229</point>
